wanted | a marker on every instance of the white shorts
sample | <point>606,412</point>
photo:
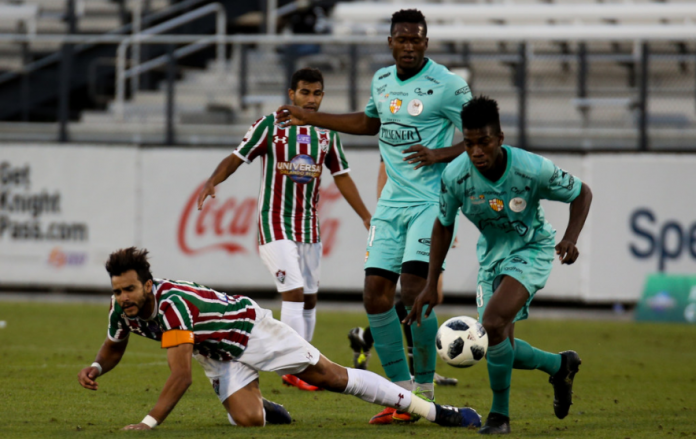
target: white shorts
<point>293,264</point>
<point>273,347</point>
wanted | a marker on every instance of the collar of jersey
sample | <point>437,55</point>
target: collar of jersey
<point>501,180</point>
<point>428,64</point>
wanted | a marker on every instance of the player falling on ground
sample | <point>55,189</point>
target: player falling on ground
<point>414,106</point>
<point>289,241</point>
<point>498,188</point>
<point>233,339</point>
<point>361,340</point>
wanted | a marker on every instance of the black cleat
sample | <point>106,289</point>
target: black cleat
<point>496,424</point>
<point>276,413</point>
<point>360,347</point>
<point>448,416</point>
<point>444,381</point>
<point>562,383</point>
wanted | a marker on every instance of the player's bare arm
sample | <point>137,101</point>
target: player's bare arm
<point>350,123</point>
<point>347,187</point>
<point>425,156</point>
<point>179,358</point>
<point>381,178</point>
<point>431,295</point>
<point>579,208</point>
<point>109,356</point>
<point>224,169</point>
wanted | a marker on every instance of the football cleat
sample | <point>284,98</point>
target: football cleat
<point>292,380</point>
<point>361,349</point>
<point>386,416</point>
<point>496,424</point>
<point>448,416</point>
<point>444,381</point>
<point>562,383</point>
<point>276,413</point>
<point>400,417</point>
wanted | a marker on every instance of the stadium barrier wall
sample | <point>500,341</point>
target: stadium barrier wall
<point>63,209</point>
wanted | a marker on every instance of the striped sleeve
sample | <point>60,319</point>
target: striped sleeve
<point>336,158</point>
<point>118,331</point>
<point>177,313</point>
<point>255,142</point>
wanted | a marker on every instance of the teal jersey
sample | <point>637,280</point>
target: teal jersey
<point>424,110</point>
<point>507,212</point>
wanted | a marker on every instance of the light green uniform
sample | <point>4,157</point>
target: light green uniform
<point>516,240</point>
<point>424,109</point>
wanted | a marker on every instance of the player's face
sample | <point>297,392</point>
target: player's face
<point>483,145</point>
<point>308,95</point>
<point>408,44</point>
<point>131,294</point>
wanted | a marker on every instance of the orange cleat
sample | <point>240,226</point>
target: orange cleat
<point>292,380</point>
<point>386,416</point>
<point>400,417</point>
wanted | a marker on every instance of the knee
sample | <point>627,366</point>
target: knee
<point>496,327</point>
<point>249,418</point>
<point>310,301</point>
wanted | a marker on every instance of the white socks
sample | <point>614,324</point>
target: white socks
<point>292,314</point>
<point>310,319</point>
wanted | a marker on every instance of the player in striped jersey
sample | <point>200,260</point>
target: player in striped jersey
<point>293,160</point>
<point>233,338</point>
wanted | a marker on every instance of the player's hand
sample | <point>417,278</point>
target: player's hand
<point>140,426</point>
<point>87,377</point>
<point>289,115</point>
<point>567,252</point>
<point>208,190</point>
<point>366,222</point>
<point>429,297</point>
<point>421,155</point>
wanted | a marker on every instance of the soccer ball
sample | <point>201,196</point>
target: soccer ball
<point>461,341</point>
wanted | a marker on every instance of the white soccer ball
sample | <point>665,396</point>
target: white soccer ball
<point>461,341</point>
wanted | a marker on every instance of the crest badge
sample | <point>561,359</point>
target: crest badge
<point>496,204</point>
<point>518,204</point>
<point>280,275</point>
<point>415,107</point>
<point>395,105</point>
<point>324,144</point>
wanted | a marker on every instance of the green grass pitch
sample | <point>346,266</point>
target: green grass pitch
<point>636,381</point>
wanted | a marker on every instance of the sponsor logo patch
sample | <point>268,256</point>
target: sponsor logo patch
<point>386,75</point>
<point>415,107</point>
<point>517,204</point>
<point>304,138</point>
<point>462,90</point>
<point>425,241</point>
<point>301,169</point>
<point>397,134</point>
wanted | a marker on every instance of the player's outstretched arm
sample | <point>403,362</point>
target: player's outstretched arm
<point>579,208</point>
<point>431,296</point>
<point>108,357</point>
<point>347,187</point>
<point>224,169</point>
<point>179,358</point>
<point>350,123</point>
<point>423,156</point>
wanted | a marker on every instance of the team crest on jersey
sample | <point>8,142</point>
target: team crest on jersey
<point>496,204</point>
<point>395,105</point>
<point>324,144</point>
<point>280,275</point>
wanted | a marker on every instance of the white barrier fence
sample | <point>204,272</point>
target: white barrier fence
<point>64,209</point>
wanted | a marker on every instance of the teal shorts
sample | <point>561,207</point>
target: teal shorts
<point>531,266</point>
<point>401,234</point>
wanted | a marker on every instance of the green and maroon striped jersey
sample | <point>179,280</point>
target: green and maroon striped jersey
<point>293,159</point>
<point>221,324</point>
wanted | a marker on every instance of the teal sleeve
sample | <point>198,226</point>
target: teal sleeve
<point>455,97</point>
<point>449,204</point>
<point>371,109</point>
<point>556,184</point>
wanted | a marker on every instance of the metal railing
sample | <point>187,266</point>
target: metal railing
<point>122,74</point>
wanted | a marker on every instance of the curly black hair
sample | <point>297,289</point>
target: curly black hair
<point>480,112</point>
<point>130,258</point>
<point>408,16</point>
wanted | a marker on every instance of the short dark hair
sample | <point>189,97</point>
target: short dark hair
<point>309,75</point>
<point>127,259</point>
<point>480,112</point>
<point>408,16</point>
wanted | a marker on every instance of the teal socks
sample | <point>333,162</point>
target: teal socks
<point>389,344</point>
<point>424,350</point>
<point>528,357</point>
<point>500,359</point>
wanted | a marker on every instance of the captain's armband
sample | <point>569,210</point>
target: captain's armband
<point>176,337</point>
